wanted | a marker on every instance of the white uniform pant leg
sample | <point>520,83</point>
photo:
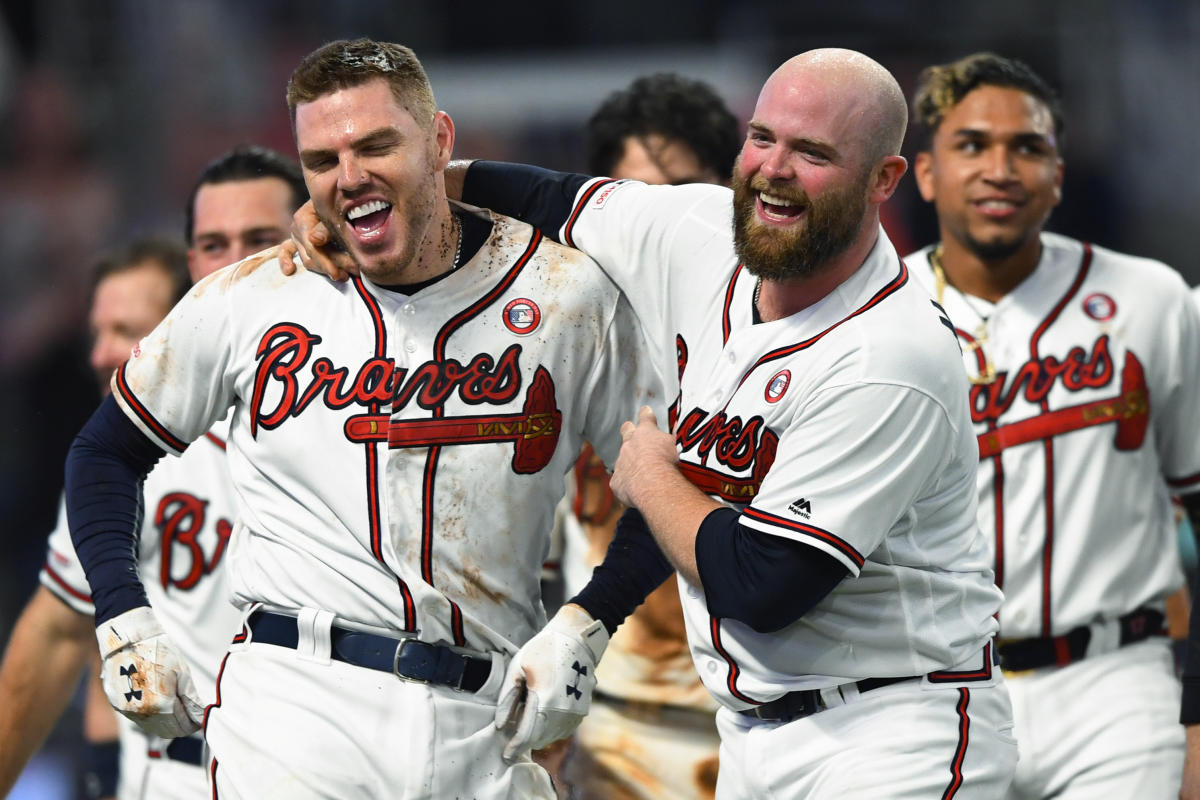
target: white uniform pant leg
<point>911,740</point>
<point>1106,726</point>
<point>286,727</point>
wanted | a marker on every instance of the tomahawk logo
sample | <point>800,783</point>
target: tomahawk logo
<point>580,672</point>
<point>128,673</point>
<point>801,508</point>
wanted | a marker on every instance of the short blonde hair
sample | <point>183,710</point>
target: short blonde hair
<point>344,63</point>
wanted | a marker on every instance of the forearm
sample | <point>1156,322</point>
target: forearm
<point>45,656</point>
<point>674,509</point>
<point>1190,711</point>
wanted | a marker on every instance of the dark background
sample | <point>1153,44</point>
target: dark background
<point>109,109</point>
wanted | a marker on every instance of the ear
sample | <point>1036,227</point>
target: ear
<point>443,129</point>
<point>887,176</point>
<point>1058,181</point>
<point>923,173</point>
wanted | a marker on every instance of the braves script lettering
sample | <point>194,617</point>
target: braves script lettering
<point>1078,370</point>
<point>179,519</point>
<point>286,348</point>
<point>731,441</point>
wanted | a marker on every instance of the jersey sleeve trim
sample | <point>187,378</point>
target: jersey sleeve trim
<point>63,584</point>
<point>1187,482</point>
<point>143,414</point>
<point>843,550</point>
<point>580,204</point>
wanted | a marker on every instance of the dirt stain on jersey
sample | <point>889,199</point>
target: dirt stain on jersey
<point>475,587</point>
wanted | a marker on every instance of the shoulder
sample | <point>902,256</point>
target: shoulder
<point>257,274</point>
<point>1123,270</point>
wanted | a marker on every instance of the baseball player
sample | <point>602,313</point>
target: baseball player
<point>817,492</point>
<point>1084,367</point>
<point>241,203</point>
<point>397,444</point>
<point>650,732</point>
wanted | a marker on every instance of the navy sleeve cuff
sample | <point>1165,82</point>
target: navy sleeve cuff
<point>633,567</point>
<point>104,472</point>
<point>540,197</point>
<point>765,581</point>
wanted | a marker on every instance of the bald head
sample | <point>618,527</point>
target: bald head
<point>863,95</point>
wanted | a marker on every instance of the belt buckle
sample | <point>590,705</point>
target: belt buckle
<point>435,659</point>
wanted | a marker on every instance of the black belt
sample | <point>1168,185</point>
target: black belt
<point>188,749</point>
<point>1017,655</point>
<point>794,705</point>
<point>410,659</point>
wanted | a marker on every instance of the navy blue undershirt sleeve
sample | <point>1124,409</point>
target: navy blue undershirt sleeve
<point>633,567</point>
<point>766,581</point>
<point>540,197</point>
<point>105,467</point>
<point>1190,708</point>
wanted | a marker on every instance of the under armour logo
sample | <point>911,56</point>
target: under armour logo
<point>580,672</point>
<point>129,672</point>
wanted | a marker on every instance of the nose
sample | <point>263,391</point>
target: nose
<point>999,165</point>
<point>351,175</point>
<point>776,166</point>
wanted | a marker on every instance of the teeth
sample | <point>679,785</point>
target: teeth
<point>366,208</point>
<point>997,204</point>
<point>773,200</point>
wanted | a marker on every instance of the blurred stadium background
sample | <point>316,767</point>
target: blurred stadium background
<point>109,109</point>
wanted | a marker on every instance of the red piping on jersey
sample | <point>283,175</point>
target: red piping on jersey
<point>212,777</point>
<point>568,237</point>
<point>734,671</point>
<point>900,279</point>
<point>1184,482</point>
<point>960,753</point>
<point>997,470</point>
<point>439,412</point>
<point>159,430</point>
<point>216,703</point>
<point>808,530</point>
<point>725,324</point>
<point>66,587</point>
<point>984,673</point>
<point>1048,445</point>
<point>371,455</point>
<point>218,441</point>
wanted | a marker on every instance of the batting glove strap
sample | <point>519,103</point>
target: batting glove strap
<point>144,678</point>
<point>548,686</point>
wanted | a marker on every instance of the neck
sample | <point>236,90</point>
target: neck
<point>441,249</point>
<point>782,298</point>
<point>990,279</point>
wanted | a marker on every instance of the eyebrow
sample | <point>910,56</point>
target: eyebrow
<point>371,137</point>
<point>1021,137</point>
<point>798,142</point>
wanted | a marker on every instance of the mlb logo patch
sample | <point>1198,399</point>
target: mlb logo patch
<point>777,386</point>
<point>522,316</point>
<point>1099,306</point>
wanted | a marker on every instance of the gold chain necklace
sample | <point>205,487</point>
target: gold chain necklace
<point>981,333</point>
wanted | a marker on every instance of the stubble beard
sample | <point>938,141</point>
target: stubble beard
<point>832,223</point>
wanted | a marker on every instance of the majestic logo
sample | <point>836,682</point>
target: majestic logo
<point>777,386</point>
<point>128,673</point>
<point>1099,306</point>
<point>801,508</point>
<point>735,445</point>
<point>522,316</point>
<point>1129,409</point>
<point>180,518</point>
<point>286,348</point>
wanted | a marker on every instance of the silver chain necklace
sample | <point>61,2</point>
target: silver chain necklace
<point>458,247</point>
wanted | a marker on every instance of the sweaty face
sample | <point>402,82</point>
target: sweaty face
<point>372,173</point>
<point>235,219</point>
<point>993,171</point>
<point>801,181</point>
<point>832,222</point>
<point>126,306</point>
<point>655,159</point>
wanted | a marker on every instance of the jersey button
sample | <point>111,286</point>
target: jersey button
<point>410,346</point>
<point>712,666</point>
<point>408,309</point>
<point>731,356</point>
<point>693,592</point>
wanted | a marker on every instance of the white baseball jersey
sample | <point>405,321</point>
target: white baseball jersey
<point>1094,401</point>
<point>397,459</point>
<point>763,422</point>
<point>187,521</point>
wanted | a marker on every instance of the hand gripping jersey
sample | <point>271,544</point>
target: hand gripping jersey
<point>844,426</point>
<point>187,520</point>
<point>397,458</point>
<point>1084,399</point>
